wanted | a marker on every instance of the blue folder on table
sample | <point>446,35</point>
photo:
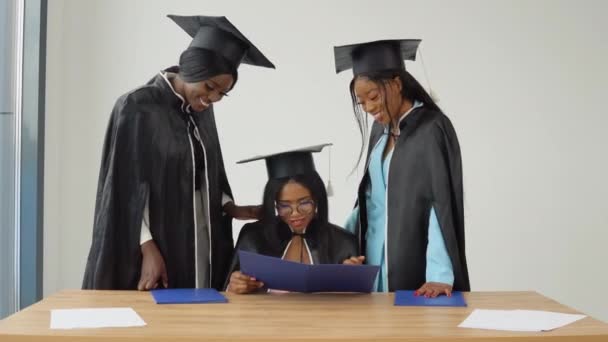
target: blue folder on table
<point>187,296</point>
<point>408,298</point>
<point>280,274</point>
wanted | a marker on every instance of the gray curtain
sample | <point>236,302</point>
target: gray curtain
<point>8,158</point>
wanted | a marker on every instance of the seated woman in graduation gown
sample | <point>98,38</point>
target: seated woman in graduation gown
<point>164,206</point>
<point>409,214</point>
<point>295,223</point>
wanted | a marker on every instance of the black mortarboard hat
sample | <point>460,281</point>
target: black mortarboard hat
<point>217,34</point>
<point>375,56</point>
<point>289,163</point>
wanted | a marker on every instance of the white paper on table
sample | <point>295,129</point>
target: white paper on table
<point>95,318</point>
<point>518,320</point>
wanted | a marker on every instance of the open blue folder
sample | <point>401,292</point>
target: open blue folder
<point>187,296</point>
<point>407,298</point>
<point>280,274</point>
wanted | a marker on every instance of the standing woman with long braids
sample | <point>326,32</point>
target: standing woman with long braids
<point>409,215</point>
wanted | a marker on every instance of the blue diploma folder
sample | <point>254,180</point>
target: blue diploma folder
<point>187,296</point>
<point>407,298</point>
<point>280,274</point>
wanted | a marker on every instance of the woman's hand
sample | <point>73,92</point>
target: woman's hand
<point>241,283</point>
<point>247,212</point>
<point>432,290</point>
<point>354,260</point>
<point>153,269</point>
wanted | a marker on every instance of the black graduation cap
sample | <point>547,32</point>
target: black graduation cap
<point>289,163</point>
<point>220,36</point>
<point>375,56</point>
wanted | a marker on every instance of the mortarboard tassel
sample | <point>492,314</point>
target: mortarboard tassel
<point>432,92</point>
<point>330,189</point>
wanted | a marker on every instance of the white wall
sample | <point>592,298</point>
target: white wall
<point>522,81</point>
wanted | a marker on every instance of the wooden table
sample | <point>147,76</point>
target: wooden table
<point>292,317</point>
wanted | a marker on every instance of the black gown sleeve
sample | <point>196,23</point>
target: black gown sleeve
<point>114,260</point>
<point>248,240</point>
<point>344,244</point>
<point>445,165</point>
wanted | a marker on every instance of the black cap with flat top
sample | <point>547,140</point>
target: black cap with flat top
<point>375,56</point>
<point>217,34</point>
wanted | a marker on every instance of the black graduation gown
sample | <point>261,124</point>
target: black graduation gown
<point>328,243</point>
<point>148,152</point>
<point>425,171</point>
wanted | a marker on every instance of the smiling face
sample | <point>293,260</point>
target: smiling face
<point>201,95</point>
<point>296,206</point>
<point>379,98</point>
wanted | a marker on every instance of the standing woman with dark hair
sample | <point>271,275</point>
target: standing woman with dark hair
<point>409,215</point>
<point>164,208</point>
<point>294,224</point>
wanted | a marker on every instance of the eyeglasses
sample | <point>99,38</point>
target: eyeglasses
<point>304,207</point>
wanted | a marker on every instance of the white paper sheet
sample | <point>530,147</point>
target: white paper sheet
<point>518,320</point>
<point>95,318</point>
